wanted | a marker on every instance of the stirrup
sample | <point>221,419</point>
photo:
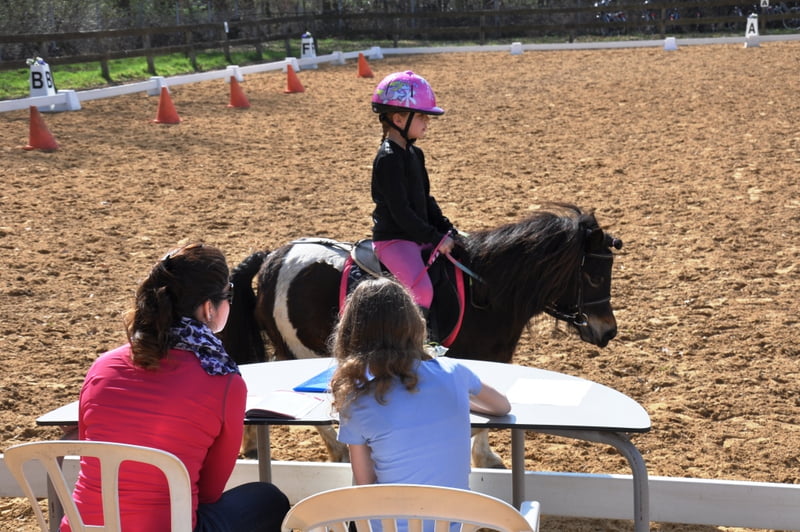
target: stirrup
<point>435,349</point>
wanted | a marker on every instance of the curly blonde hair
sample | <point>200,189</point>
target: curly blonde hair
<point>381,332</point>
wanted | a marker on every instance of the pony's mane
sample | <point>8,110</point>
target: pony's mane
<point>528,264</point>
<point>241,337</point>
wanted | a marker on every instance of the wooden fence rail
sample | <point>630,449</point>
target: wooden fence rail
<point>659,18</point>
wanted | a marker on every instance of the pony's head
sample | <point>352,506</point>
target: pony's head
<point>558,260</point>
<point>586,302</point>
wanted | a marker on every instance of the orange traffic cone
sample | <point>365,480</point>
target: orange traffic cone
<point>39,137</point>
<point>238,99</point>
<point>363,68</point>
<point>292,81</point>
<point>166,110</point>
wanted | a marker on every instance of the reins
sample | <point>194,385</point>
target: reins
<point>435,255</point>
<point>463,268</point>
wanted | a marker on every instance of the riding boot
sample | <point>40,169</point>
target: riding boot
<point>432,345</point>
<point>430,324</point>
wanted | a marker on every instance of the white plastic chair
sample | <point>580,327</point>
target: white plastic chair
<point>335,509</point>
<point>111,455</point>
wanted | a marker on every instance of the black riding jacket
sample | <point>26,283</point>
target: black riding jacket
<point>404,208</point>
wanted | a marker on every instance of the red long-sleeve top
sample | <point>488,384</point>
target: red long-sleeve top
<point>178,408</point>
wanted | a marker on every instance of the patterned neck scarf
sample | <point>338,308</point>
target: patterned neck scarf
<point>192,335</point>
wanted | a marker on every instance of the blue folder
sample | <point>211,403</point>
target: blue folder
<point>318,383</point>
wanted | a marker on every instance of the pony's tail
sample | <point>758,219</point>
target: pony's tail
<point>241,336</point>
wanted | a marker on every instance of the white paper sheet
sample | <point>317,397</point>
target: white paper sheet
<point>548,392</point>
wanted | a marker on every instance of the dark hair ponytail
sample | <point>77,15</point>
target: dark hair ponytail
<point>178,284</point>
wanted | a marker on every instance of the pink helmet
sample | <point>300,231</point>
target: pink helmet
<point>405,91</point>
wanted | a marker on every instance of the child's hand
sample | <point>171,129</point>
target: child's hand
<point>447,245</point>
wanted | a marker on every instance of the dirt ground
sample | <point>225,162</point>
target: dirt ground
<point>691,157</point>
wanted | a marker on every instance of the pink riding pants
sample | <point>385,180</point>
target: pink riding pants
<point>404,259</point>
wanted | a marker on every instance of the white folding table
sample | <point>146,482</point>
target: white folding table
<point>541,401</point>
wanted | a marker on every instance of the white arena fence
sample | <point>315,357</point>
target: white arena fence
<point>69,100</point>
<point>693,501</point>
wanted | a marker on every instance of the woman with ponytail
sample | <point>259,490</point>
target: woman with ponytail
<point>173,387</point>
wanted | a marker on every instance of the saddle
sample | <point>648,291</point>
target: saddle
<point>364,256</point>
<point>447,310</point>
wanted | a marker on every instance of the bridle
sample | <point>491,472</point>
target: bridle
<point>575,314</point>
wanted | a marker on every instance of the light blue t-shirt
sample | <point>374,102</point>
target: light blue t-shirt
<point>420,437</point>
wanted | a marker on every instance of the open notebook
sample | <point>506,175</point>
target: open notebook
<point>294,403</point>
<point>281,404</point>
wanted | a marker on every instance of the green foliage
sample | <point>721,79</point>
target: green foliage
<point>82,76</point>
<point>14,83</point>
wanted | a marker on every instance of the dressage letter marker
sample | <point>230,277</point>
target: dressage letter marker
<point>41,81</point>
<point>751,33</point>
<point>308,49</point>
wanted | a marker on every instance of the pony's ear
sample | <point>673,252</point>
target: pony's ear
<point>595,238</point>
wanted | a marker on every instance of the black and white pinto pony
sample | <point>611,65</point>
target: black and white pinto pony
<point>556,261</point>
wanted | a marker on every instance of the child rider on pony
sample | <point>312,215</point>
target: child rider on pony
<point>406,218</point>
